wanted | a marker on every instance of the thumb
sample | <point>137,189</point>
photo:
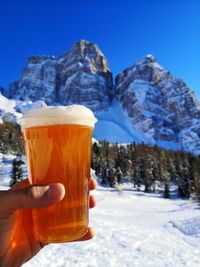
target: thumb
<point>31,197</point>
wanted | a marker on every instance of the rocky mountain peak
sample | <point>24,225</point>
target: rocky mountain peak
<point>90,53</point>
<point>80,75</point>
<point>158,107</point>
<point>146,69</point>
<point>39,59</point>
<point>83,44</point>
<point>159,104</point>
<point>148,59</point>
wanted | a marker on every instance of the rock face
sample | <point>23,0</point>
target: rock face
<point>38,80</point>
<point>79,76</point>
<point>157,107</point>
<point>160,105</point>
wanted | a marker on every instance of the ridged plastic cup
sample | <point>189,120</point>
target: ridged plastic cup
<point>58,150</point>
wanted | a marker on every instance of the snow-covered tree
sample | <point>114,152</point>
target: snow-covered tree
<point>11,140</point>
<point>184,176</point>
<point>165,175</point>
<point>17,172</point>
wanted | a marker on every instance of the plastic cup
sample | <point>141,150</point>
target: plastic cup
<point>58,150</point>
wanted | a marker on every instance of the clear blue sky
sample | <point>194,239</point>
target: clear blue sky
<point>125,31</point>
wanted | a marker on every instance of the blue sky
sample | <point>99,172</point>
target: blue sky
<point>125,31</point>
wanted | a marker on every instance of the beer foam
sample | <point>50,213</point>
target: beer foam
<point>53,115</point>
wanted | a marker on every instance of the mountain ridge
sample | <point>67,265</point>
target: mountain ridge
<point>157,107</point>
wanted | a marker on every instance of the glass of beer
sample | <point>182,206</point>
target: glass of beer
<point>58,150</point>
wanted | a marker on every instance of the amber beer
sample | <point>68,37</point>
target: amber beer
<point>58,150</point>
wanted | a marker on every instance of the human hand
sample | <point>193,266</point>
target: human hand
<point>17,241</point>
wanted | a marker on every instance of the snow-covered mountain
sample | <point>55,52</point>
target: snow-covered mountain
<point>8,111</point>
<point>161,106</point>
<point>11,110</point>
<point>146,104</point>
<point>78,76</point>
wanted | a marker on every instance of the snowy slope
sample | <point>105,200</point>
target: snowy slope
<point>133,229</point>
<point>12,110</point>
<point>7,110</point>
<point>114,125</point>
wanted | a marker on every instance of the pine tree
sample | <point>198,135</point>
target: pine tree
<point>146,165</point>
<point>111,160</point>
<point>103,162</point>
<point>184,178</point>
<point>95,164</point>
<point>17,172</point>
<point>118,175</point>
<point>156,165</point>
<point>136,169</point>
<point>166,193</point>
<point>196,176</point>
<point>11,140</point>
<point>123,161</point>
<point>164,172</point>
<point>147,169</point>
<point>112,177</point>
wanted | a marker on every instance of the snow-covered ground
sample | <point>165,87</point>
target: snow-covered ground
<point>5,169</point>
<point>132,229</point>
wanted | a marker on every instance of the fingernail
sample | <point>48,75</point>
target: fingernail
<point>54,192</point>
<point>49,191</point>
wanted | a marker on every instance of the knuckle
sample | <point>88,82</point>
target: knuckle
<point>29,193</point>
<point>35,192</point>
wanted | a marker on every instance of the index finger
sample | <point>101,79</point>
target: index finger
<point>93,184</point>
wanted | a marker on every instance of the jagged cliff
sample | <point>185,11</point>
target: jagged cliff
<point>160,105</point>
<point>147,103</point>
<point>78,76</point>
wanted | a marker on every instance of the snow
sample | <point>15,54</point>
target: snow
<point>24,106</point>
<point>132,229</point>
<point>115,125</point>
<point>190,227</point>
<point>6,104</point>
<point>111,132</point>
<point>7,110</point>
<point>141,88</point>
<point>70,79</point>
<point>189,140</point>
<point>12,110</point>
<point>6,167</point>
<point>158,66</point>
<point>169,145</point>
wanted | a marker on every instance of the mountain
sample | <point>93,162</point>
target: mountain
<point>163,107</point>
<point>146,103</point>
<point>11,110</point>
<point>8,112</point>
<point>79,76</point>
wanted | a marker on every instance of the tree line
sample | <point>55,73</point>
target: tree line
<point>11,140</point>
<point>147,167</point>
